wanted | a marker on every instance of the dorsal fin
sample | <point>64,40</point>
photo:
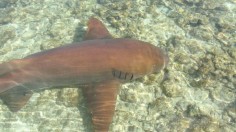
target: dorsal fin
<point>96,30</point>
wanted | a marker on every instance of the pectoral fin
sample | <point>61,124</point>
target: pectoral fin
<point>16,98</point>
<point>101,100</point>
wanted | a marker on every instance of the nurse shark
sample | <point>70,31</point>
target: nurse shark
<point>100,63</point>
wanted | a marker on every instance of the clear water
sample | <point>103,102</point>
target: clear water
<point>199,93</point>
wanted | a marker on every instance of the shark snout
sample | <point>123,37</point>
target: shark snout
<point>166,60</point>
<point>161,60</point>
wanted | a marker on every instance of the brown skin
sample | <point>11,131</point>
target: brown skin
<point>102,107</point>
<point>85,62</point>
<point>96,29</point>
<point>102,64</point>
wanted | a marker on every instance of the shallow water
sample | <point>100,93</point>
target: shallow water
<point>200,37</point>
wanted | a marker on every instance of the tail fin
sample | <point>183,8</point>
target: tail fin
<point>6,76</point>
<point>4,68</point>
<point>16,97</point>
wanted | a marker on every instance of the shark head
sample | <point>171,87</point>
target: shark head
<point>160,60</point>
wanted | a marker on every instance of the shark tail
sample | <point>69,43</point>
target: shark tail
<point>4,68</point>
<point>13,94</point>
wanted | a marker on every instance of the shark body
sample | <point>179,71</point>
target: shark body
<point>101,62</point>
